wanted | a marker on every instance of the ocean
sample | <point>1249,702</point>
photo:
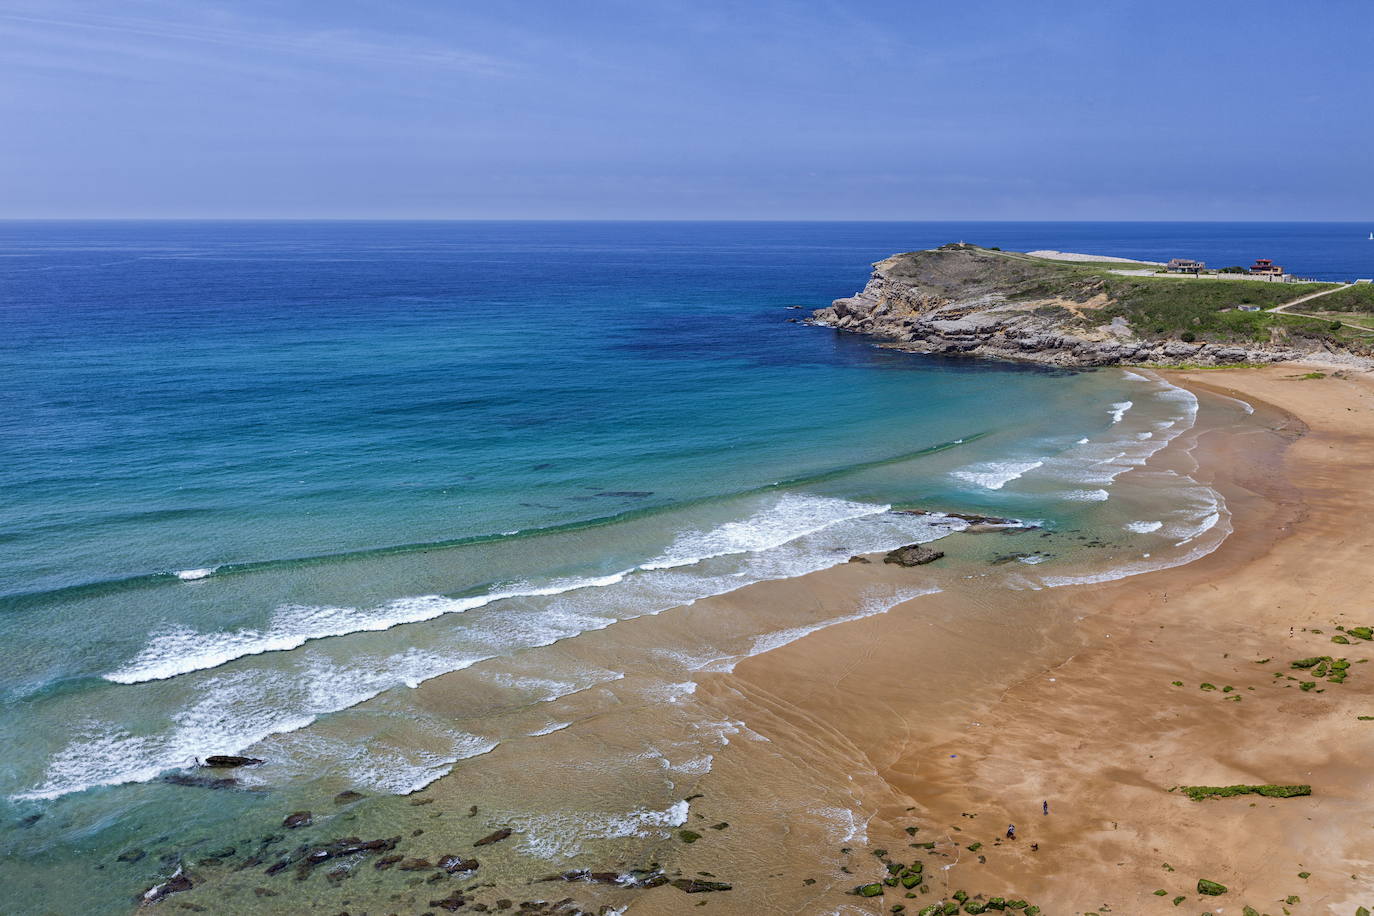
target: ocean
<point>264,480</point>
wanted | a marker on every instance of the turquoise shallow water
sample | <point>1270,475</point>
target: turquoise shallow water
<point>257,474</point>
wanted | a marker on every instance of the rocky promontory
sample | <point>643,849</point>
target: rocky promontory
<point>961,299</point>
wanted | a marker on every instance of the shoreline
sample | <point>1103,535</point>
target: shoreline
<point>1099,731</point>
<point>948,709</point>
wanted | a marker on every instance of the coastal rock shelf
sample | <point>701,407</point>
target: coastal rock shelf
<point>961,299</point>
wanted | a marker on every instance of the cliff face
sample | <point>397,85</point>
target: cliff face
<point>973,301</point>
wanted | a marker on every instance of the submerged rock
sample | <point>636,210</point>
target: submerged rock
<point>178,882</point>
<point>201,782</point>
<point>229,760</point>
<point>494,837</point>
<point>913,555</point>
<point>453,902</point>
<point>345,797</point>
<point>455,864</point>
<point>693,886</point>
<point>297,819</point>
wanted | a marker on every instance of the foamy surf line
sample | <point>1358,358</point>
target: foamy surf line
<point>228,715</point>
<point>182,650</point>
<point>994,475</point>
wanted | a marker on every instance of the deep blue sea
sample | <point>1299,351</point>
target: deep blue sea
<point>255,474</point>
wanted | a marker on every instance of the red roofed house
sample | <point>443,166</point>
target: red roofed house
<point>1267,267</point>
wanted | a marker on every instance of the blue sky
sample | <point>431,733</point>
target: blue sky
<point>694,109</point>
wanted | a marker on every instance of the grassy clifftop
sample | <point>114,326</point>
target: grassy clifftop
<point>1160,306</point>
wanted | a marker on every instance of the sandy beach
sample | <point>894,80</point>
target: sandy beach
<point>1098,707</point>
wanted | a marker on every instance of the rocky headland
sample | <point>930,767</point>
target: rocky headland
<point>962,299</point>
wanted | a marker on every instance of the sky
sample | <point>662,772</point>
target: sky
<point>687,109</point>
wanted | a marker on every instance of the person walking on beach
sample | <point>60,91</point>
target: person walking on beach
<point>1011,831</point>
<point>1045,807</point>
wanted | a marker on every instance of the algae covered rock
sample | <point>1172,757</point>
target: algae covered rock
<point>1198,793</point>
<point>869,890</point>
<point>913,555</point>
<point>696,886</point>
<point>1210,888</point>
<point>1362,632</point>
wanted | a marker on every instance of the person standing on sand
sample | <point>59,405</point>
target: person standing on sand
<point>1045,807</point>
<point>1011,831</point>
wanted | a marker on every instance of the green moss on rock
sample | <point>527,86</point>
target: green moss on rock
<point>1210,888</point>
<point>1198,793</point>
<point>869,890</point>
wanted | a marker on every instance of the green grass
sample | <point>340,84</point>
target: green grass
<point>1357,298</point>
<point>1198,793</point>
<point>1186,308</point>
<point>1209,308</point>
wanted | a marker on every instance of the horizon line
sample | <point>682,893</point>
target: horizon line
<point>500,219</point>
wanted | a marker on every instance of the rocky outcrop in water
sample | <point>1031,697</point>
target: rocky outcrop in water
<point>913,555</point>
<point>968,301</point>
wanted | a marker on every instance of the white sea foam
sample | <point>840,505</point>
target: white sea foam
<point>233,711</point>
<point>870,606</point>
<point>1087,496</point>
<point>549,729</point>
<point>560,835</point>
<point>194,575</point>
<point>182,649</point>
<point>794,515</point>
<point>1143,527</point>
<point>1201,547</point>
<point>846,826</point>
<point>1118,410</point>
<point>994,475</point>
<point>239,708</point>
<point>1207,524</point>
<point>403,771</point>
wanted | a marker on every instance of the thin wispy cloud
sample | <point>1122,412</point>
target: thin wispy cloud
<point>336,45</point>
